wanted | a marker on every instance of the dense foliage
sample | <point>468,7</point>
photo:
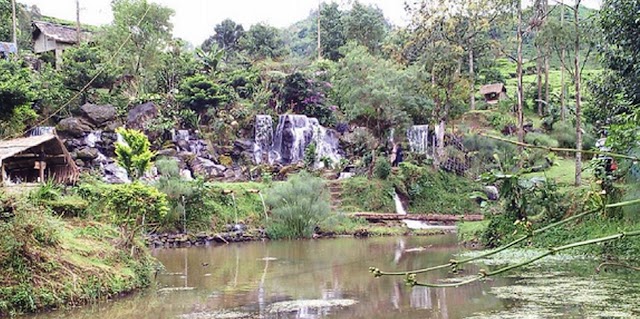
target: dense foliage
<point>298,206</point>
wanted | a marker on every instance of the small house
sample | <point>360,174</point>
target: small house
<point>36,159</point>
<point>493,93</point>
<point>47,37</point>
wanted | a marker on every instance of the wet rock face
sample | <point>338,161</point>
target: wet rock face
<point>292,136</point>
<point>141,115</point>
<point>74,126</point>
<point>99,114</point>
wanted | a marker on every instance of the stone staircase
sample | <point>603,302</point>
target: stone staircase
<point>335,193</point>
<point>335,189</point>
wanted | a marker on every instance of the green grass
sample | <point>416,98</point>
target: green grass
<point>50,262</point>
<point>563,172</point>
<point>471,231</point>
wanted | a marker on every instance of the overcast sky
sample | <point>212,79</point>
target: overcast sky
<point>194,19</point>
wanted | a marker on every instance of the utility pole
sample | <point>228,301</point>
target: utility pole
<point>319,42</point>
<point>79,35</point>
<point>15,22</point>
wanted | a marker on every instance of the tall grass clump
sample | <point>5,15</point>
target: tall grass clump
<point>297,207</point>
<point>565,134</point>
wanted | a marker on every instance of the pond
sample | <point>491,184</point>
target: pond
<point>330,279</point>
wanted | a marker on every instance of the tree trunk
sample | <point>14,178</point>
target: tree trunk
<point>520,110</point>
<point>563,107</point>
<point>440,137</point>
<point>539,70</point>
<point>577,75</point>
<point>472,78</point>
<point>547,55</point>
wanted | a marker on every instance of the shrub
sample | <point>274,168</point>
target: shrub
<point>499,120</point>
<point>297,207</point>
<point>541,140</point>
<point>364,195</point>
<point>178,192</point>
<point>382,170</point>
<point>565,133</point>
<point>484,151</point>
<point>310,155</point>
<point>134,155</point>
<point>132,204</point>
<point>434,191</point>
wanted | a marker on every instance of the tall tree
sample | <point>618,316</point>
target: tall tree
<point>366,25</point>
<point>577,75</point>
<point>437,33</point>
<point>263,42</point>
<point>332,31</point>
<point>226,35</point>
<point>148,29</point>
<point>621,29</point>
<point>369,90</point>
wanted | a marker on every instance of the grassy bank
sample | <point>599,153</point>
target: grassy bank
<point>424,191</point>
<point>48,262</point>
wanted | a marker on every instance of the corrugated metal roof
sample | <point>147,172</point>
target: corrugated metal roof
<point>10,148</point>
<point>58,32</point>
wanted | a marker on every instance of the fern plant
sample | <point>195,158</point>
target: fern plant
<point>134,154</point>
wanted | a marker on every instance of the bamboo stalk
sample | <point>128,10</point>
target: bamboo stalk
<point>559,149</point>
<point>453,263</point>
<point>484,274</point>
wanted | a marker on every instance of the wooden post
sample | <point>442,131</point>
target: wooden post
<point>319,42</point>
<point>58,54</point>
<point>42,164</point>
<point>78,31</point>
<point>15,22</point>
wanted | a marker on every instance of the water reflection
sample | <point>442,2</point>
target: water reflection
<point>250,278</point>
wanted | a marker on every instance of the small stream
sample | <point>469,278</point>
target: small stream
<point>329,279</point>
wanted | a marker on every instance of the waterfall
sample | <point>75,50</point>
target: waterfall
<point>415,224</point>
<point>181,135</point>
<point>42,130</point>
<point>418,136</point>
<point>327,144</point>
<point>292,136</point>
<point>263,129</point>
<point>399,207</point>
<point>92,138</point>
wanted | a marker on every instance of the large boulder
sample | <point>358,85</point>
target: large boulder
<point>99,114</point>
<point>140,116</point>
<point>74,126</point>
<point>87,154</point>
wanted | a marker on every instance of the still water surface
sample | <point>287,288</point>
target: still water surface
<point>247,280</point>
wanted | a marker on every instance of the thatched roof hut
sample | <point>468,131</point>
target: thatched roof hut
<point>36,159</point>
<point>494,92</point>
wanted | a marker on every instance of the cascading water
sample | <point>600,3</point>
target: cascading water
<point>415,224</point>
<point>292,136</point>
<point>418,136</point>
<point>93,138</point>
<point>42,130</point>
<point>263,128</point>
<point>327,144</point>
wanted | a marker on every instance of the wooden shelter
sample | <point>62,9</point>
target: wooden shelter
<point>493,93</point>
<point>55,37</point>
<point>36,159</point>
